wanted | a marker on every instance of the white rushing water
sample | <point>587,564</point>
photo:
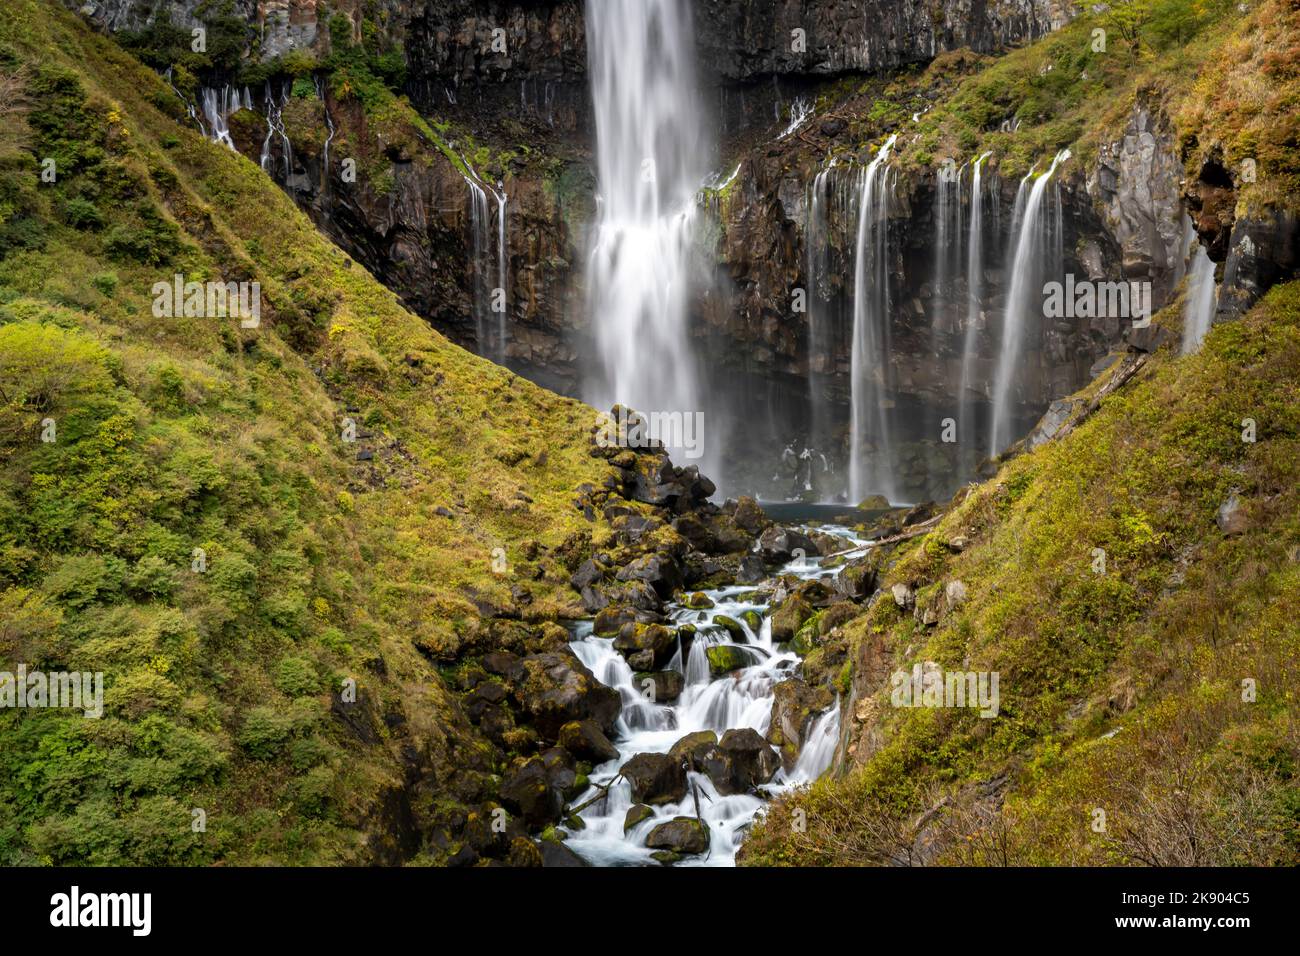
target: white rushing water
<point>738,700</point>
<point>218,105</point>
<point>1202,296</point>
<point>275,130</point>
<point>489,276</point>
<point>650,161</point>
<point>1034,248</point>
<point>974,300</point>
<point>871,460</point>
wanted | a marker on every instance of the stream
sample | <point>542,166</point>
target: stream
<point>739,699</point>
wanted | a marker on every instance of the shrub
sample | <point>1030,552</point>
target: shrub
<point>265,732</point>
<point>296,677</point>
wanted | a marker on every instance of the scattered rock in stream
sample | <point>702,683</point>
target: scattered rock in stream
<point>655,778</point>
<point>679,835</point>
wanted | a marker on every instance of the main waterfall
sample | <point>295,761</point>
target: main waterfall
<point>650,158</point>
<point>871,462</point>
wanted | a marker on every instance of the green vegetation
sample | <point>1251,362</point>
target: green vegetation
<point>1227,78</point>
<point>1120,690</point>
<point>199,532</point>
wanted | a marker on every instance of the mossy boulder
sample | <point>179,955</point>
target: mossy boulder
<point>558,689</point>
<point>655,778</point>
<point>837,615</point>
<point>530,793</point>
<point>586,741</point>
<point>698,601</point>
<point>694,748</point>
<point>807,637</point>
<point>646,646</point>
<point>637,813</point>
<point>610,620</point>
<point>789,617</point>
<point>661,686</point>
<point>659,571</point>
<point>732,627</point>
<point>679,835</point>
<point>740,762</point>
<point>725,658</point>
<point>749,517</point>
<point>753,620</point>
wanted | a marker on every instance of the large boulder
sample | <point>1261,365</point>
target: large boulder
<point>728,537</point>
<point>838,614</point>
<point>532,794</point>
<point>586,741</point>
<point>555,853</point>
<point>696,532</point>
<point>749,517</point>
<point>558,689</point>
<point>636,814</point>
<point>646,647</point>
<point>751,570</point>
<point>740,762</point>
<point>694,748</point>
<point>660,571</point>
<point>655,778</point>
<point>857,580</point>
<point>679,835</point>
<point>789,617</point>
<point>661,686</point>
<point>777,545</point>
<point>725,658</point>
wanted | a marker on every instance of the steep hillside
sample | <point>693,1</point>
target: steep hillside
<point>1135,583</point>
<point>199,529</point>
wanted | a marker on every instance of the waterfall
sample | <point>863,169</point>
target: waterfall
<point>479,239</point>
<point>218,105</point>
<point>947,239</point>
<point>502,270</point>
<point>650,162</point>
<point>329,138</point>
<point>820,348</point>
<point>871,459</point>
<point>274,128</point>
<point>801,111</point>
<point>1202,294</point>
<point>974,302</point>
<point>1032,237</point>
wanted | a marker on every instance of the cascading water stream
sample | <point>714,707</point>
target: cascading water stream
<point>503,266</point>
<point>650,159</point>
<point>974,302</point>
<point>218,105</point>
<point>275,128</point>
<point>479,238</point>
<point>1201,298</point>
<point>1034,245</point>
<point>329,138</point>
<point>733,701</point>
<point>871,459</point>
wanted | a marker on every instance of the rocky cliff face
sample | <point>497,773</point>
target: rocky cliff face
<point>511,79</point>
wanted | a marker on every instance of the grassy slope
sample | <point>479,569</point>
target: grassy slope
<point>189,432</point>
<point>1156,648</point>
